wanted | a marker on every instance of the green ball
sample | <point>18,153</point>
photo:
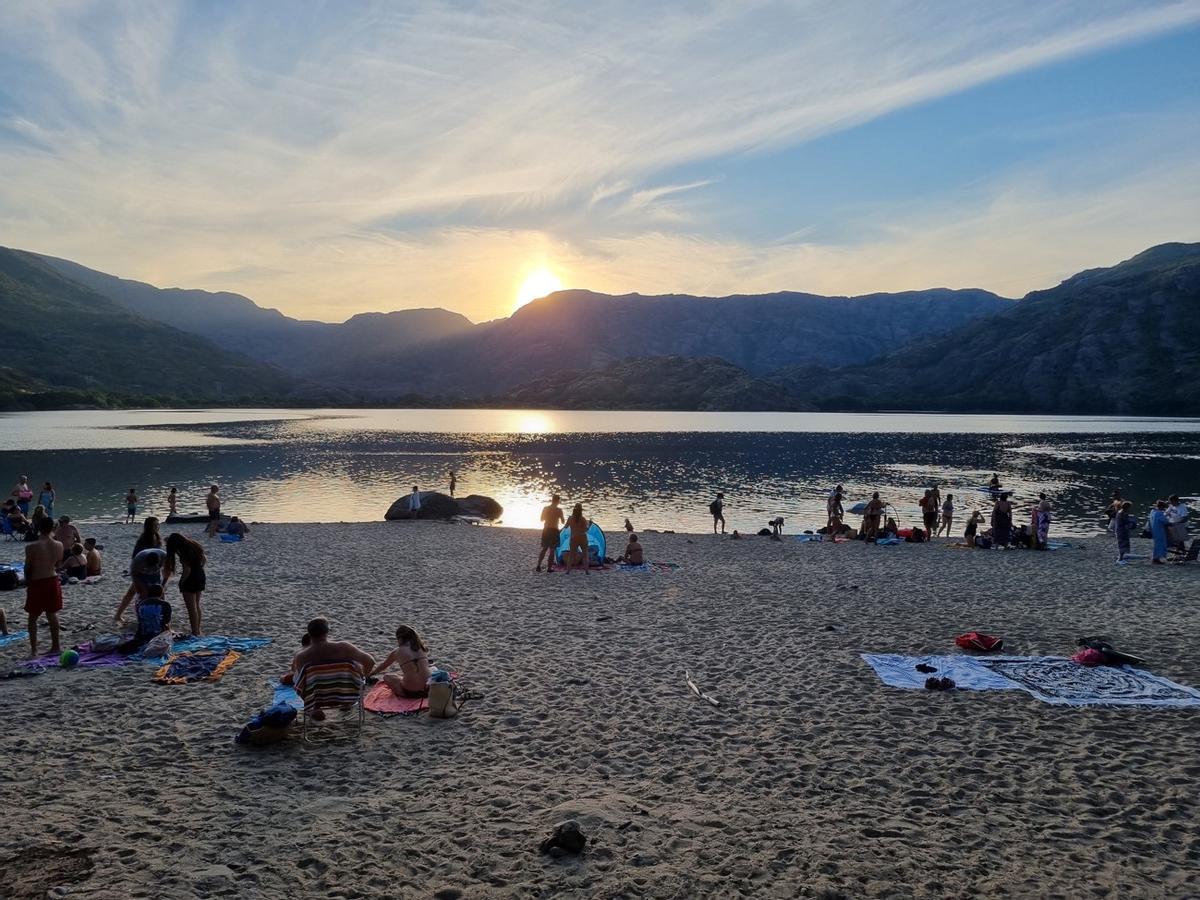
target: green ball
<point>68,658</point>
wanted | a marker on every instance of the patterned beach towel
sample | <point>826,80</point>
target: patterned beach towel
<point>216,643</point>
<point>1051,679</point>
<point>201,665</point>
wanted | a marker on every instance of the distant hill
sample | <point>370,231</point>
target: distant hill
<point>308,349</point>
<point>438,353</point>
<point>1112,340</point>
<point>1123,340</point>
<point>63,336</point>
<point>664,382</point>
<point>582,331</point>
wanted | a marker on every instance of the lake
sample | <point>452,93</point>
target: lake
<point>661,469</point>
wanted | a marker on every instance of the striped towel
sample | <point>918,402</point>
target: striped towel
<point>329,684</point>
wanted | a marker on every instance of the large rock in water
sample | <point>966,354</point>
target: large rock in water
<point>435,505</point>
<point>481,506</point>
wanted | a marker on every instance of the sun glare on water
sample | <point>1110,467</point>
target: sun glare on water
<point>539,283</point>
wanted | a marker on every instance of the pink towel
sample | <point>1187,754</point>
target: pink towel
<point>382,700</point>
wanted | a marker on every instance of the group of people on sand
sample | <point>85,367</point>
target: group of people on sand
<point>152,565</point>
<point>1166,525</point>
<point>410,657</point>
<point>49,561</point>
<point>1167,522</point>
<point>578,554</point>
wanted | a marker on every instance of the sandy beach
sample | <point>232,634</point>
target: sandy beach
<point>811,779</point>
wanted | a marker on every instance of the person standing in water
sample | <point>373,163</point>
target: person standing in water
<point>717,508</point>
<point>46,499</point>
<point>131,502</point>
<point>453,482</point>
<point>213,503</point>
<point>552,520</point>
<point>172,499</point>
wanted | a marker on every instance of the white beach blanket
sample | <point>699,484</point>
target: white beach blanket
<point>1051,679</point>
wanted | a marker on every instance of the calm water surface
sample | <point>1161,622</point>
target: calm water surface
<point>660,469</point>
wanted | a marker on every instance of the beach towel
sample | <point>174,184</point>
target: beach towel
<point>12,637</point>
<point>807,538</point>
<point>887,541</point>
<point>382,700</point>
<point>88,659</point>
<point>648,567</point>
<point>968,672</point>
<point>1051,679</point>
<point>285,694</point>
<point>230,538</point>
<point>216,643</point>
<point>200,665</point>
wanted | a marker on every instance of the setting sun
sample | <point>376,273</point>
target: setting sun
<point>539,283</point>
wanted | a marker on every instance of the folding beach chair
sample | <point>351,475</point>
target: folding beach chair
<point>332,687</point>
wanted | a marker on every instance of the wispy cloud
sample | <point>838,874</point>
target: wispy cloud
<point>178,141</point>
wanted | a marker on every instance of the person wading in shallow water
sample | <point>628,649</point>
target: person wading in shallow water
<point>453,482</point>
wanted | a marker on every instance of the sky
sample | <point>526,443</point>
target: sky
<point>331,158</point>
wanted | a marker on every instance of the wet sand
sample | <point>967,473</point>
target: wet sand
<point>811,779</point>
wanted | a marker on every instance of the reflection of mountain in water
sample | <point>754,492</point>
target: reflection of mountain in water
<point>660,480</point>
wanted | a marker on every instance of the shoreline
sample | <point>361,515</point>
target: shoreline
<point>812,778</point>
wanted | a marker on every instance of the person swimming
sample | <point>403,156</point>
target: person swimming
<point>412,656</point>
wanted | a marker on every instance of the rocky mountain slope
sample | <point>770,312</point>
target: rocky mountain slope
<point>62,335</point>
<point>1121,340</point>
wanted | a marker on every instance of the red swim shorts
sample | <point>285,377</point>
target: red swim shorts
<point>43,595</point>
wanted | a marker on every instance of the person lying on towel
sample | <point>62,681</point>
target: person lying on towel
<point>412,657</point>
<point>633,552</point>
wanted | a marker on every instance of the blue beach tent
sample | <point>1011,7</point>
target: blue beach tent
<point>597,546</point>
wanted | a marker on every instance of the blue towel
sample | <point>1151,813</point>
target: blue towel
<point>12,637</point>
<point>216,643</point>
<point>286,694</point>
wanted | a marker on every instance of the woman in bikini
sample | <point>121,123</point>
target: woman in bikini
<point>412,657</point>
<point>147,540</point>
<point>578,548</point>
<point>192,580</point>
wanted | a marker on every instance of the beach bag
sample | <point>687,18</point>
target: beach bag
<point>159,645</point>
<point>1089,656</point>
<point>443,700</point>
<point>9,579</point>
<point>978,642</point>
<point>107,643</point>
<point>916,536</point>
